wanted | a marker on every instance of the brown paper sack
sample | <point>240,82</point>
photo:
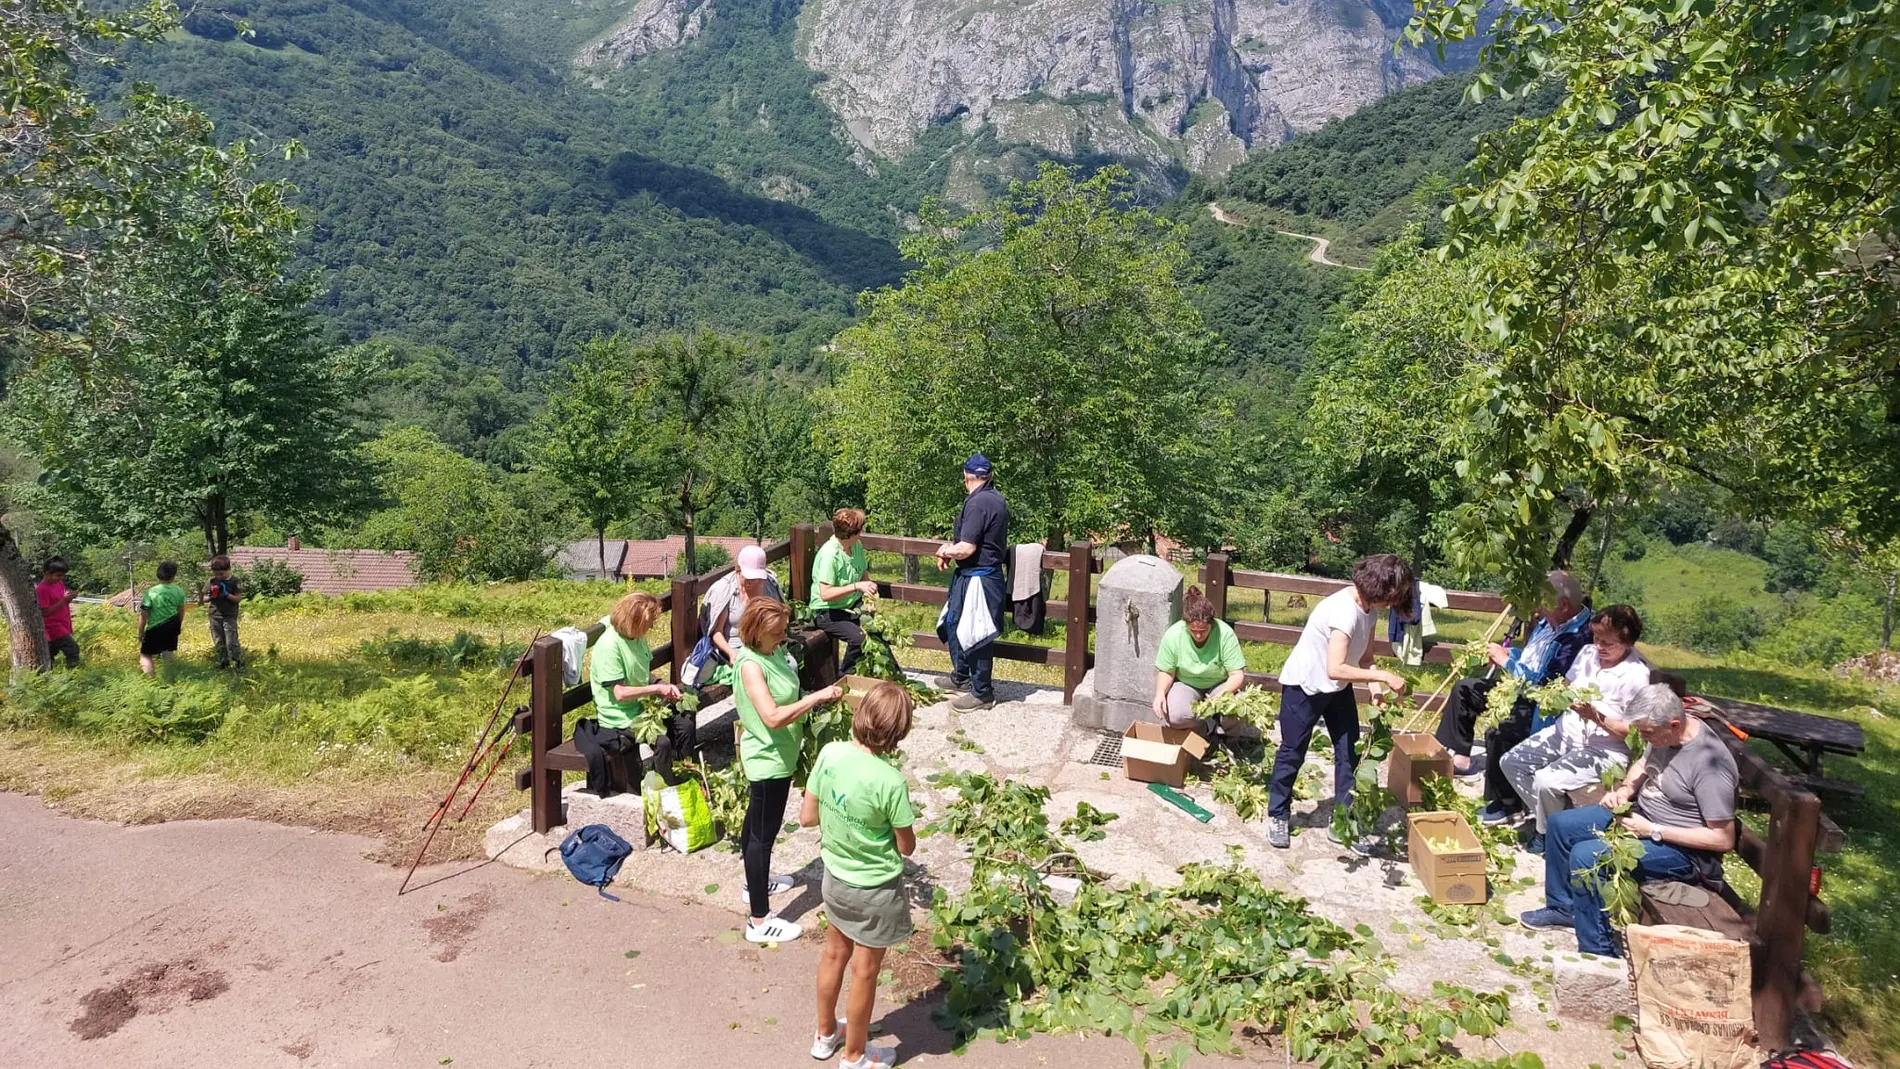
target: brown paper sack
<point>1693,1003</point>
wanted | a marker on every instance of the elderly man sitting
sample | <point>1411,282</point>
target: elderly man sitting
<point>1684,812</point>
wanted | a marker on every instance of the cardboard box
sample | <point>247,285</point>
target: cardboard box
<point>1455,876</point>
<point>1155,754</point>
<point>1413,759</point>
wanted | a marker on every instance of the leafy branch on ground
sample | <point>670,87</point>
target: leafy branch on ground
<point>1248,705</point>
<point>1193,964</point>
<point>883,637</point>
<point>1088,822</point>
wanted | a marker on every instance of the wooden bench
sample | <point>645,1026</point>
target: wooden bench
<point>1803,737</point>
<point>1775,929</point>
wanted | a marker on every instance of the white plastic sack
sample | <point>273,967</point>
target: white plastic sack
<point>573,651</point>
<point>977,627</point>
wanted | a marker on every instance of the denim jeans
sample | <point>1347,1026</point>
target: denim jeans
<point>1300,713</point>
<point>973,666</point>
<point>1571,845</point>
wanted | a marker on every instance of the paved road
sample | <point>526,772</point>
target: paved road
<point>234,943</point>
<point>1320,245</point>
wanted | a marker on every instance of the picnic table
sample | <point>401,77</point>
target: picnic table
<point>1803,737</point>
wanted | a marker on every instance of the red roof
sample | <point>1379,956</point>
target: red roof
<point>336,571</point>
<point>655,558</point>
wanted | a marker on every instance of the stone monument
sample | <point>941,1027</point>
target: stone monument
<point>1139,598</point>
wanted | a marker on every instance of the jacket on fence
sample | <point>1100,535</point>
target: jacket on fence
<point>1028,596</point>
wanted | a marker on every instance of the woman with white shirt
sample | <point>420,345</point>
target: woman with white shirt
<point>1589,738</point>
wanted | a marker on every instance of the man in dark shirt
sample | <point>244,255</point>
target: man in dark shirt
<point>976,546</point>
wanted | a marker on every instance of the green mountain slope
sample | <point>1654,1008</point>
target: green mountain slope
<point>467,192</point>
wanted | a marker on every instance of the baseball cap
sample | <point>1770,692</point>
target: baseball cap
<point>752,563</point>
<point>978,465</point>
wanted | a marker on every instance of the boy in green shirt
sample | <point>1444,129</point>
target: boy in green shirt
<point>161,614</point>
<point>861,804</point>
<point>838,585</point>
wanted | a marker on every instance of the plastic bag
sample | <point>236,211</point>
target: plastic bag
<point>679,814</point>
<point>976,626</point>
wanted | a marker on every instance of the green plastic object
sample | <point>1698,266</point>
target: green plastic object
<point>1180,801</point>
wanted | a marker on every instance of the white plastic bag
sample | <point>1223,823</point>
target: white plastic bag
<point>976,627</point>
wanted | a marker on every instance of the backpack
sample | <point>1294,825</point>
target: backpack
<point>1805,1059</point>
<point>593,855</point>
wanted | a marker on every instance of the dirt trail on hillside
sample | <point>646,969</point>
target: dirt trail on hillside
<point>1321,246</point>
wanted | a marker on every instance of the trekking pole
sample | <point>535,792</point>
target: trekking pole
<point>475,754</point>
<point>499,758</point>
<point>1413,722</point>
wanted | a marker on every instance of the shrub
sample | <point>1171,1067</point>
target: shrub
<point>269,578</point>
<point>712,557</point>
<point>398,650</point>
<point>1716,624</point>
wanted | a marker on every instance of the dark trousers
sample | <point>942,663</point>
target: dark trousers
<point>1498,742</point>
<point>64,646</point>
<point>1461,712</point>
<point>1300,713</point>
<point>764,810</point>
<point>601,746</point>
<point>973,667</point>
<point>842,626</point>
<point>1573,847</point>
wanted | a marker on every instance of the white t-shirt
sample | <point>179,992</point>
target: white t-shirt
<point>1619,683</point>
<point>1306,668</point>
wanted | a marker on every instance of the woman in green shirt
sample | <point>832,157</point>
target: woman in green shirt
<point>838,585</point>
<point>620,670</point>
<point>1199,658</point>
<point>770,736</point>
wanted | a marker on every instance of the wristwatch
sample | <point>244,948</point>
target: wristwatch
<point>1655,833</point>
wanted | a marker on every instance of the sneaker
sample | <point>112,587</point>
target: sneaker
<point>773,929</point>
<point>956,686</point>
<point>1536,843</point>
<point>1474,768</point>
<point>1543,920</point>
<point>1278,834</point>
<point>1494,814</point>
<point>970,703</point>
<point>874,1058</point>
<point>1362,847</point>
<point>823,1047</point>
<point>777,885</point>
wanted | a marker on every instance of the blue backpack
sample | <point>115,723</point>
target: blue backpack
<point>593,854</point>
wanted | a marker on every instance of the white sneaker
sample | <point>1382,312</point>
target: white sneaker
<point>777,885</point>
<point>874,1058</point>
<point>823,1047</point>
<point>772,929</point>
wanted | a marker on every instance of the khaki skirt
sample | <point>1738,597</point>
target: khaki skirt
<point>868,916</point>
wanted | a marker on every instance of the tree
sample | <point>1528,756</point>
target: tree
<point>768,447</point>
<point>463,521</point>
<point>589,438</point>
<point>1701,264</point>
<point>1052,332</point>
<point>689,383</point>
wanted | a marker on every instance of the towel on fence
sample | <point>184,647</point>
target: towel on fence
<point>573,651</point>
<point>1028,601</point>
<point>1409,645</point>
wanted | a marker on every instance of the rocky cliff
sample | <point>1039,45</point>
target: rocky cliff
<point>651,26</point>
<point>1198,81</point>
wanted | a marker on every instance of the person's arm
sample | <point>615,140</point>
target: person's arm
<point>1164,679</point>
<point>1632,782</point>
<point>623,692</point>
<point>906,840</point>
<point>1363,672</point>
<point>71,596</point>
<point>718,635</point>
<point>1234,681</point>
<point>950,551</point>
<point>1717,836</point>
<point>1498,654</point>
<point>808,810</point>
<point>776,715</point>
<point>1603,717</point>
<point>827,592</point>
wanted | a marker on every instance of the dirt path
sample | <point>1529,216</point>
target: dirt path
<point>1320,245</point>
<point>237,943</point>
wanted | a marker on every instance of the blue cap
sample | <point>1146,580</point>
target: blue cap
<point>978,465</point>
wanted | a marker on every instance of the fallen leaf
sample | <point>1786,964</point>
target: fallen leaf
<point>712,888</point>
<point>633,953</point>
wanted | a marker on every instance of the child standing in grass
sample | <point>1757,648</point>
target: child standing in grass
<point>161,613</point>
<point>56,609</point>
<point>221,608</point>
<point>862,806</point>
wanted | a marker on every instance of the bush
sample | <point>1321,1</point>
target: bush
<point>398,650</point>
<point>1715,625</point>
<point>118,704</point>
<point>712,557</point>
<point>269,578</point>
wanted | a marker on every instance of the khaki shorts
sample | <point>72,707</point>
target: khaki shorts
<point>868,916</point>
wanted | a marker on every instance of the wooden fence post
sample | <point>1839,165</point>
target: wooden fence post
<point>804,548</point>
<point>685,624</point>
<point>1215,572</point>
<point>1076,640</point>
<point>1782,917</point>
<point>544,711</point>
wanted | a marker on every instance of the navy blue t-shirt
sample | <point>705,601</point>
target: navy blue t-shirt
<point>984,523</point>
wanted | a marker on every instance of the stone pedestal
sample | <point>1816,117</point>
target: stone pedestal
<point>1139,598</point>
<point>514,842</point>
<point>1585,987</point>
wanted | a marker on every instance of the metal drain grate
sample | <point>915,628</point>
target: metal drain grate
<point>1108,751</point>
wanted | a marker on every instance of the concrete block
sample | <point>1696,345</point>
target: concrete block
<point>513,842</point>
<point>1139,598</point>
<point>1084,711</point>
<point>624,813</point>
<point>1585,987</point>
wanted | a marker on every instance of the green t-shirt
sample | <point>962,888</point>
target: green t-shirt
<point>768,753</point>
<point>1200,667</point>
<point>861,799</point>
<point>616,658</point>
<point>835,567</point>
<point>161,603</point>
